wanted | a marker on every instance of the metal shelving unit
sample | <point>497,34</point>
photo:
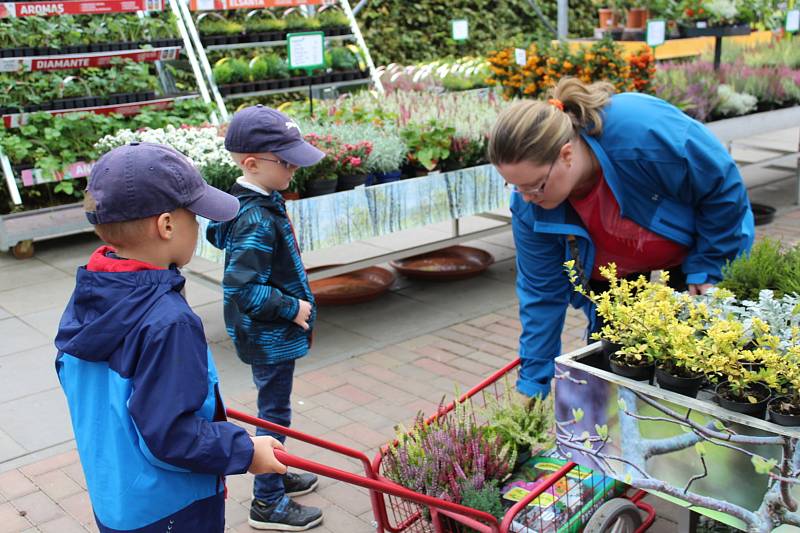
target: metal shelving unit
<point>188,6</point>
<point>49,222</point>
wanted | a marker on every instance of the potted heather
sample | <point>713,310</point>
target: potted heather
<point>352,169</point>
<point>452,458</point>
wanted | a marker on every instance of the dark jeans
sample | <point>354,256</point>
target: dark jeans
<point>274,383</point>
<point>677,280</point>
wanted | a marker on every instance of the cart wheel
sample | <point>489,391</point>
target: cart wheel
<point>23,250</point>
<point>618,515</point>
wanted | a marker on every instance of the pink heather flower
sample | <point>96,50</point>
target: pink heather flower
<point>355,161</point>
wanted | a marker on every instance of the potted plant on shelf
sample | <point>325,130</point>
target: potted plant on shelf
<point>352,169</point>
<point>636,14</point>
<point>321,178</point>
<point>388,154</point>
<point>428,144</point>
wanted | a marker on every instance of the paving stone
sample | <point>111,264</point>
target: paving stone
<point>65,524</point>
<point>23,373</point>
<point>10,448</point>
<point>26,273</point>
<point>79,507</point>
<point>13,484</point>
<point>50,464</point>
<point>18,336</point>
<point>48,409</point>
<point>44,295</point>
<point>57,485</point>
<point>11,521</point>
<point>38,507</point>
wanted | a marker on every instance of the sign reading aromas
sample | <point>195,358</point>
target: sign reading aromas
<point>48,9</point>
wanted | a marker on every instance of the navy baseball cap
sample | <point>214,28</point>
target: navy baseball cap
<point>258,129</point>
<point>140,180</point>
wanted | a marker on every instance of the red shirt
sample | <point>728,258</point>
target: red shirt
<point>622,241</point>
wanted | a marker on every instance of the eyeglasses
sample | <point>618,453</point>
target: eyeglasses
<point>539,190</point>
<point>284,164</point>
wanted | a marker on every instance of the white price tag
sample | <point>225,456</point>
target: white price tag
<point>793,20</point>
<point>656,32</point>
<point>306,50</point>
<point>521,56</point>
<point>460,30</point>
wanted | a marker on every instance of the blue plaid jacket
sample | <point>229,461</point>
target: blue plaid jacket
<point>264,279</point>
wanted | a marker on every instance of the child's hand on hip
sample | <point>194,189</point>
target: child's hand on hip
<point>264,461</point>
<point>303,314</point>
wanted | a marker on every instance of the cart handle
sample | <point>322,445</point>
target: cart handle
<point>372,482</point>
<point>338,448</point>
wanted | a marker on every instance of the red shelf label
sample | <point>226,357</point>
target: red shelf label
<point>34,176</point>
<point>19,119</point>
<point>216,5</point>
<point>96,59</point>
<point>50,9</point>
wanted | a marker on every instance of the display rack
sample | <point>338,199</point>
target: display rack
<point>254,89</point>
<point>98,55</point>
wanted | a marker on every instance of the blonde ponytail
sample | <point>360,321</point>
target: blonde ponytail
<point>533,130</point>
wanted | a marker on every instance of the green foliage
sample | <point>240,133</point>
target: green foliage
<point>486,499</point>
<point>409,32</point>
<point>73,30</point>
<point>343,59</point>
<point>768,266</point>
<point>30,88</point>
<point>333,18</point>
<point>214,26</point>
<point>524,423</point>
<point>428,144</point>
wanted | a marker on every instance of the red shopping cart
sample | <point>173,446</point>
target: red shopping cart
<point>570,499</point>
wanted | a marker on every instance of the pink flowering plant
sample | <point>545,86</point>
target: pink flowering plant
<point>352,158</point>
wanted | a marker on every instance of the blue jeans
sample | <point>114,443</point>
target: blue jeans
<point>274,383</point>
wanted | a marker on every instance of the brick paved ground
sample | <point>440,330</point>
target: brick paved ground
<point>355,402</point>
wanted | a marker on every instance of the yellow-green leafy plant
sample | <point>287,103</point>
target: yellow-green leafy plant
<point>526,424</point>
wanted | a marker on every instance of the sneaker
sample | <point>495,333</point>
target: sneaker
<point>283,515</point>
<point>299,484</point>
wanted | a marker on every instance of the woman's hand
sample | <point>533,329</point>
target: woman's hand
<point>696,289</point>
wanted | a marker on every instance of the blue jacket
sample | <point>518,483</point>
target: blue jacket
<point>670,175</point>
<point>263,281</point>
<point>143,396</point>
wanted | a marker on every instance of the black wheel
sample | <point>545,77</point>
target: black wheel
<point>615,516</point>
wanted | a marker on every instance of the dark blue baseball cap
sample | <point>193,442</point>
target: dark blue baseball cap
<point>258,129</point>
<point>141,180</point>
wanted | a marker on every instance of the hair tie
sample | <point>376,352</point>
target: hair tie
<point>556,103</point>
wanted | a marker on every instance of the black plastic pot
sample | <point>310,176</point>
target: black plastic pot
<point>638,373</point>
<point>756,410</point>
<point>320,187</point>
<point>348,183</point>
<point>779,418</point>
<point>609,349</point>
<point>685,386</point>
<point>763,214</point>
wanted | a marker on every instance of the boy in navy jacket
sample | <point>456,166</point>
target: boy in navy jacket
<point>269,309</point>
<point>132,359</point>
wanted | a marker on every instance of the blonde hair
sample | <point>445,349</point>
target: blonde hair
<point>533,130</point>
<point>119,234</point>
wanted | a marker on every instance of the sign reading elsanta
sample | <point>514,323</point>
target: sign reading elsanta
<point>47,9</point>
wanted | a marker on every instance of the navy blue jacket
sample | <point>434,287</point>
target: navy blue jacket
<point>142,392</point>
<point>670,175</point>
<point>263,281</point>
